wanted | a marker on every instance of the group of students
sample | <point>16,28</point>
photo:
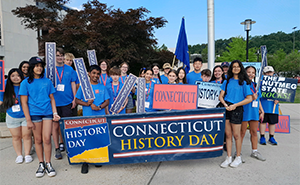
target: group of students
<point>34,106</point>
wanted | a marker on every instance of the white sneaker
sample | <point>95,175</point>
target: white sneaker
<point>227,162</point>
<point>28,159</point>
<point>237,161</point>
<point>19,159</point>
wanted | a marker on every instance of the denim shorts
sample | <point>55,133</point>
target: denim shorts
<point>15,122</point>
<point>130,102</point>
<point>40,118</point>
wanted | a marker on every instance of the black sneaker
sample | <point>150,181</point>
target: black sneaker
<point>85,168</point>
<point>41,170</point>
<point>50,170</point>
<point>61,147</point>
<point>58,154</point>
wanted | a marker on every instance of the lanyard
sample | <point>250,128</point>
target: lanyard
<point>61,75</point>
<point>115,94</point>
<point>148,93</point>
<point>104,81</point>
<point>253,88</point>
<point>17,98</point>
<point>122,79</point>
<point>217,81</point>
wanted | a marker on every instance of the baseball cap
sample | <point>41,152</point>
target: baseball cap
<point>268,69</point>
<point>226,64</point>
<point>166,65</point>
<point>35,60</point>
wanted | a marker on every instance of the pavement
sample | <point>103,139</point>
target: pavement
<point>281,167</point>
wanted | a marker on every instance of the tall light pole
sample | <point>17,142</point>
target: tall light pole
<point>294,38</point>
<point>247,23</point>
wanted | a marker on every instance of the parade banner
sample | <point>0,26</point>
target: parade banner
<point>264,63</point>
<point>140,94</point>
<point>279,88</point>
<point>148,137</point>
<point>2,78</point>
<point>50,57</point>
<point>283,125</point>
<point>85,84</point>
<point>175,97</point>
<point>92,57</point>
<point>123,94</point>
<point>208,94</point>
<point>257,66</point>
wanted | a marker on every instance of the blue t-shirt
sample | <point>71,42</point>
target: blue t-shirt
<point>122,79</point>
<point>268,106</point>
<point>250,112</point>
<point>38,91</point>
<point>105,79</point>
<point>65,97</point>
<point>101,94</point>
<point>235,92</point>
<point>9,111</point>
<point>149,97</point>
<point>192,77</point>
<point>156,80</point>
<point>164,79</point>
<point>113,93</point>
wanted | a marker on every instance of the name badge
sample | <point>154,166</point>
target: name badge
<point>60,87</point>
<point>255,103</point>
<point>16,108</point>
<point>147,105</point>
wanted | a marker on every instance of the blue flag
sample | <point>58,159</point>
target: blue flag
<point>182,50</point>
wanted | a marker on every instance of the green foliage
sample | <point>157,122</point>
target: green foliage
<point>237,51</point>
<point>2,116</point>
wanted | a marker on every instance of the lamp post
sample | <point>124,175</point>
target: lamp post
<point>247,23</point>
<point>294,38</point>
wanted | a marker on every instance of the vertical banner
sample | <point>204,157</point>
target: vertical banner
<point>50,48</point>
<point>86,87</point>
<point>2,84</point>
<point>92,57</point>
<point>140,95</point>
<point>123,94</point>
<point>264,63</point>
<point>208,94</point>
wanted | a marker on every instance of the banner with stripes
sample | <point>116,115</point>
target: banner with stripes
<point>92,57</point>
<point>147,137</point>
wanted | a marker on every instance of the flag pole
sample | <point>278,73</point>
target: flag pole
<point>173,61</point>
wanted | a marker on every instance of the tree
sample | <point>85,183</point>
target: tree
<point>115,35</point>
<point>236,50</point>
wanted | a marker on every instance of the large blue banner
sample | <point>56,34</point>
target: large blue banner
<point>147,137</point>
<point>92,57</point>
<point>50,48</point>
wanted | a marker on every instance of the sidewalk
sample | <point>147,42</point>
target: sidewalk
<point>281,167</point>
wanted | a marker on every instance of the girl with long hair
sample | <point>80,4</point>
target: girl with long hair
<point>234,94</point>
<point>24,65</point>
<point>156,76</point>
<point>181,74</point>
<point>105,79</point>
<point>15,119</point>
<point>218,75</point>
<point>39,109</point>
<point>172,76</point>
<point>149,90</point>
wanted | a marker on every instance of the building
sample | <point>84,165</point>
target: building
<point>16,42</point>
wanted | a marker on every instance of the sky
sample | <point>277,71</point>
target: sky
<point>271,16</point>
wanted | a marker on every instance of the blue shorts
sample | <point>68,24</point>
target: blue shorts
<point>40,118</point>
<point>15,122</point>
<point>130,102</point>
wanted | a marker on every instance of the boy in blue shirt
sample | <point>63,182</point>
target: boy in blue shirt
<point>195,75</point>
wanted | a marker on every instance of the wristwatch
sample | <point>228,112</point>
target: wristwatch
<point>100,107</point>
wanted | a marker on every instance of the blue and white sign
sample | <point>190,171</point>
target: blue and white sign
<point>264,63</point>
<point>92,57</point>
<point>140,94</point>
<point>86,87</point>
<point>208,94</point>
<point>123,95</point>
<point>50,48</point>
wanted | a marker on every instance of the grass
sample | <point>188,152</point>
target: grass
<point>297,97</point>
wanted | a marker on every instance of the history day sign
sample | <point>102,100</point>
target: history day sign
<point>208,94</point>
<point>144,137</point>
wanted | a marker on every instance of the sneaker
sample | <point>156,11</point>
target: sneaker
<point>50,170</point>
<point>85,168</point>
<point>257,155</point>
<point>28,159</point>
<point>61,147</point>
<point>58,154</point>
<point>237,161</point>
<point>243,160</point>
<point>41,170</point>
<point>262,141</point>
<point>19,159</point>
<point>272,141</point>
<point>227,162</point>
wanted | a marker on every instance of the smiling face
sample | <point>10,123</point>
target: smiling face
<point>236,69</point>
<point>155,70</point>
<point>251,73</point>
<point>181,74</point>
<point>103,66</point>
<point>124,69</point>
<point>59,59</point>
<point>148,75</point>
<point>68,61</point>
<point>15,78</point>
<point>25,68</point>
<point>172,77</point>
<point>218,73</point>
<point>94,76</point>
<point>197,66</point>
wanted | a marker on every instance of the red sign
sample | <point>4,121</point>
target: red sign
<point>2,84</point>
<point>176,97</point>
<point>73,123</point>
<point>283,125</point>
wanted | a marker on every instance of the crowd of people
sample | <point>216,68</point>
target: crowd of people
<point>34,106</point>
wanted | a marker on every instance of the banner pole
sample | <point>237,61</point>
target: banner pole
<point>173,61</point>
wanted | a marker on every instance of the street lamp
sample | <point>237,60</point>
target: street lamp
<point>247,23</point>
<point>294,38</point>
